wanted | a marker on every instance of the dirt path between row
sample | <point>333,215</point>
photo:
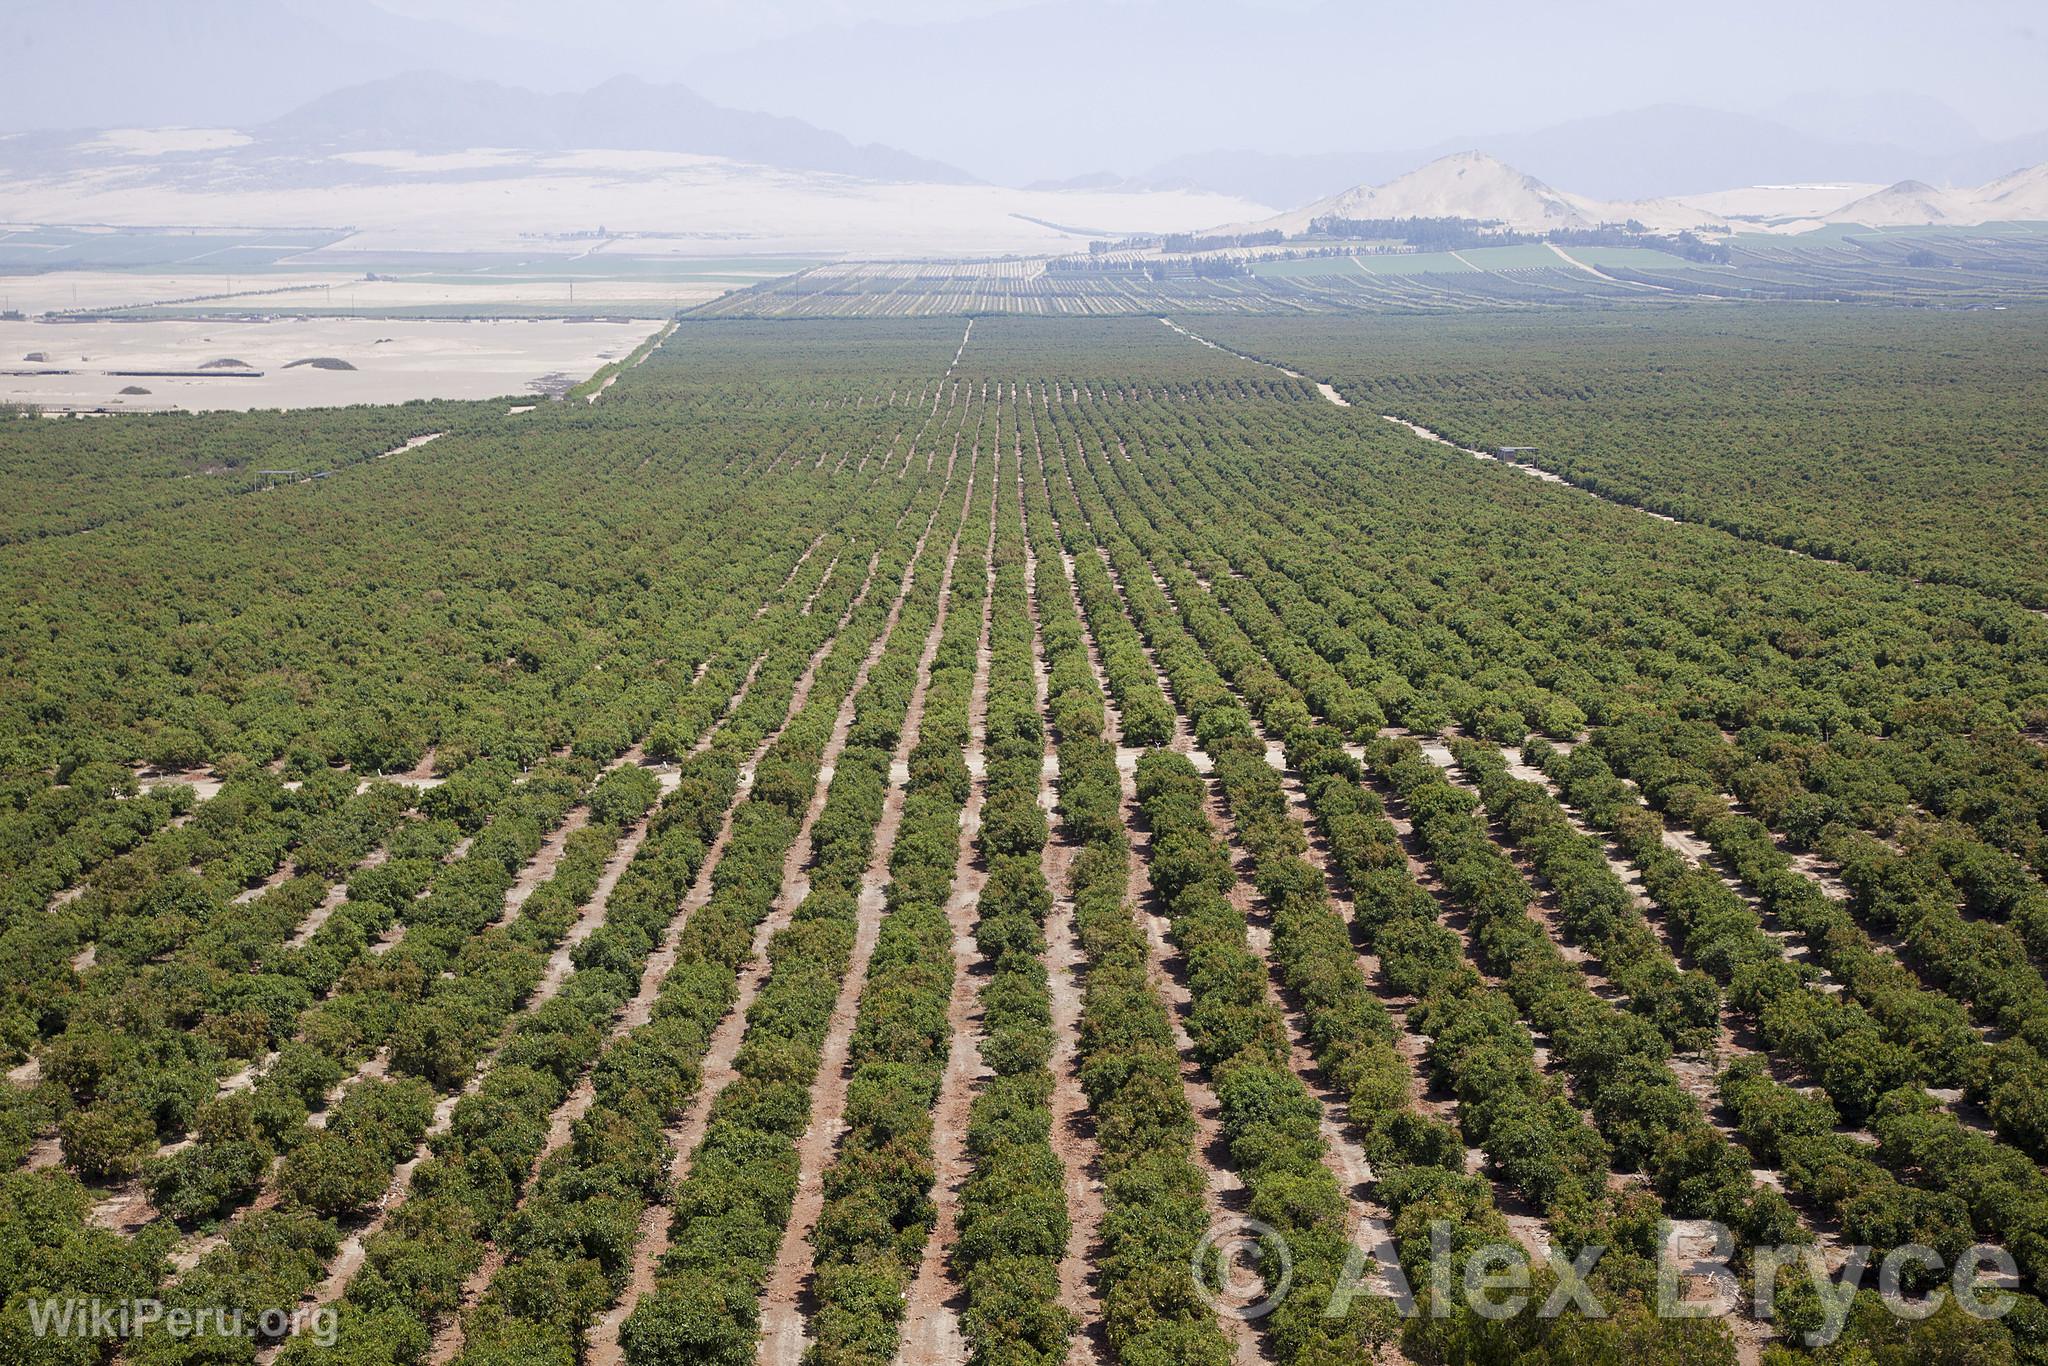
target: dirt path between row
<point>1343,1154</point>
<point>932,1305</point>
<point>786,1299</point>
<point>1073,1125</point>
<point>1224,1196</point>
<point>680,1138</point>
<point>556,972</point>
<point>718,1068</point>
<point>1576,263</point>
<point>1735,1037</point>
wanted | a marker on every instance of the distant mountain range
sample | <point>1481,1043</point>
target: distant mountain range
<point>424,112</point>
<point>1483,188</point>
<point>2021,197</point>
<point>1104,98</point>
<point>1663,151</point>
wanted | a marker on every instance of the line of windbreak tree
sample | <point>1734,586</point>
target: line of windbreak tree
<point>1688,245</point>
<point>1153,268</point>
<point>1424,234</point>
<point>1186,242</point>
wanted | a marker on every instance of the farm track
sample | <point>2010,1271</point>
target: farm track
<point>1330,393</point>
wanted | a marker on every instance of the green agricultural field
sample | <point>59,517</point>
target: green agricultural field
<point>1310,266</point>
<point>1417,263</point>
<point>1637,258</point>
<point>862,838</point>
<point>58,248</point>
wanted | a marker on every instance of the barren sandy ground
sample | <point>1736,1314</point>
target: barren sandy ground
<point>1780,201</point>
<point>394,360</point>
<point>343,289</point>
<point>697,203</point>
<point>51,290</point>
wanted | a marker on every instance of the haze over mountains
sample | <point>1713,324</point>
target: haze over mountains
<point>1134,93</point>
<point>1020,130</point>
<point>1653,152</point>
<point>423,112</point>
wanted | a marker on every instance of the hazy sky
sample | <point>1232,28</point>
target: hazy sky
<point>1016,91</point>
<point>1986,58</point>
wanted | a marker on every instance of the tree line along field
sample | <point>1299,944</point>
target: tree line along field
<point>870,839</point>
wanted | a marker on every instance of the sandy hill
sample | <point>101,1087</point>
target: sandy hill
<point>2016,198</point>
<point>1909,202</point>
<point>2021,197</point>
<point>1480,187</point>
